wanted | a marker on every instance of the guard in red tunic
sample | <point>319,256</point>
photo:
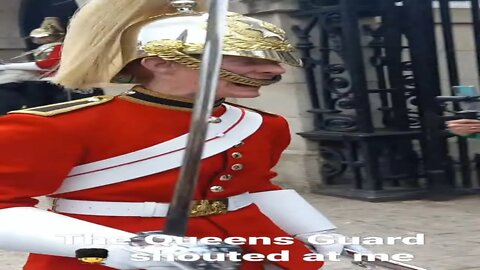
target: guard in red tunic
<point>110,164</point>
<point>50,35</point>
<point>47,57</point>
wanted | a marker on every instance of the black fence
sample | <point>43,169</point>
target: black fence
<point>372,73</point>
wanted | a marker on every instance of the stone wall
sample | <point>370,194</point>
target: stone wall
<point>464,45</point>
<point>466,62</point>
<point>11,43</point>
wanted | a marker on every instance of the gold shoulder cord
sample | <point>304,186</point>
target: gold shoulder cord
<point>64,107</point>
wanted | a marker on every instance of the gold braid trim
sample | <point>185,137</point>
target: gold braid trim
<point>249,34</point>
<point>170,50</point>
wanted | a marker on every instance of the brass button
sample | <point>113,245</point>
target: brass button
<point>214,120</point>
<point>237,155</point>
<point>226,177</point>
<point>239,144</point>
<point>217,189</point>
<point>237,167</point>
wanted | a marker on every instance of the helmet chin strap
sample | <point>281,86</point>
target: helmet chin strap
<point>240,79</point>
<point>171,50</point>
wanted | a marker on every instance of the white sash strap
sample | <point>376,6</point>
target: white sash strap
<point>132,209</point>
<point>236,125</point>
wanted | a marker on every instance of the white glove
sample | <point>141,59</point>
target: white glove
<point>330,241</point>
<point>32,230</point>
<point>323,242</point>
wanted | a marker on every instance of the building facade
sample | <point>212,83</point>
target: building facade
<point>301,164</point>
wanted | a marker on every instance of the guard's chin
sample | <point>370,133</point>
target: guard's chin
<point>241,91</point>
<point>250,88</point>
<point>252,92</point>
<point>242,85</point>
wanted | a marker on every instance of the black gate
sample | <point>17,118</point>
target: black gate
<point>372,73</point>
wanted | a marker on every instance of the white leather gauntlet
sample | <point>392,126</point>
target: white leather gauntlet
<point>295,215</point>
<point>28,229</point>
<point>323,242</point>
<point>330,241</point>
<point>292,213</point>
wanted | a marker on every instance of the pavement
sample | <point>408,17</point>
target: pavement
<point>451,231</point>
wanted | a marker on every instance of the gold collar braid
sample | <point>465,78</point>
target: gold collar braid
<point>171,50</point>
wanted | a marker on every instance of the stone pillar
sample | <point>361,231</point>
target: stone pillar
<point>299,167</point>
<point>11,43</point>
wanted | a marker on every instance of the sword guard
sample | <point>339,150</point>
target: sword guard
<point>214,250</point>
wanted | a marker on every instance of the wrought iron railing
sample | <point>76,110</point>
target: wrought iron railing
<point>381,138</point>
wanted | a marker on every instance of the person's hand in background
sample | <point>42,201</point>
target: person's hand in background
<point>464,127</point>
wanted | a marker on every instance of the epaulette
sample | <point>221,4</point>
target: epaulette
<point>64,107</point>
<point>252,109</point>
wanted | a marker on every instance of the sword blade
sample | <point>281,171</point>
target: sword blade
<point>23,55</point>
<point>179,210</point>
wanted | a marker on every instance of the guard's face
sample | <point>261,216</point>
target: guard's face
<point>248,67</point>
<point>183,81</point>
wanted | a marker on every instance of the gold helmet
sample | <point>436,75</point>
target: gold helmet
<point>50,26</point>
<point>172,30</point>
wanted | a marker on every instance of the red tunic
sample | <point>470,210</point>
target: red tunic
<point>38,152</point>
<point>52,60</point>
